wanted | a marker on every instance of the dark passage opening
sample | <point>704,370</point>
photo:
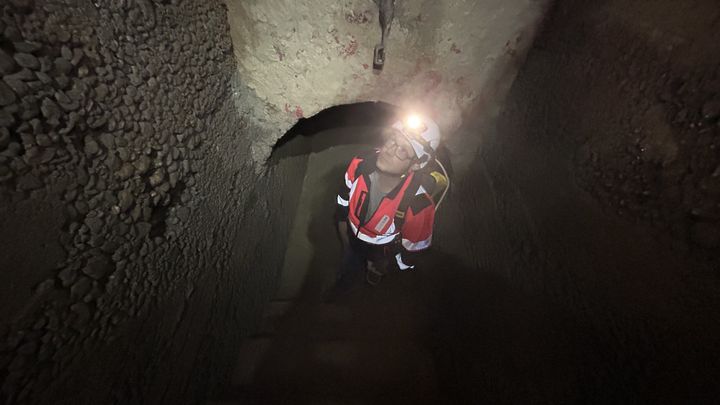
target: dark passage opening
<point>297,140</point>
<point>324,130</point>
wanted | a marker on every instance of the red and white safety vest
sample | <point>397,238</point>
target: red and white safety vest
<point>407,212</point>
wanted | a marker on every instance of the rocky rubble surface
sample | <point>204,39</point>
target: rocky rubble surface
<point>105,106</point>
<point>663,169</point>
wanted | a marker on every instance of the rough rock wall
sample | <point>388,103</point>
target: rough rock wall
<point>656,160</point>
<point>297,58</point>
<point>598,189</point>
<point>129,207</point>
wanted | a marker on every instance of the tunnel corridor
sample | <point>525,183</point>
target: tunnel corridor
<point>396,342</point>
<point>168,176</point>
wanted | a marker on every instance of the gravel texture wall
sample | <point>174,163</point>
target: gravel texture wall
<point>297,58</point>
<point>130,206</point>
<point>598,190</point>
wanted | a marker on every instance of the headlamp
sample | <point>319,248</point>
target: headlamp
<point>413,122</point>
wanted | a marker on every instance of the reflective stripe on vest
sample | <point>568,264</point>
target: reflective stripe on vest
<point>401,264</point>
<point>375,240</point>
<point>412,246</point>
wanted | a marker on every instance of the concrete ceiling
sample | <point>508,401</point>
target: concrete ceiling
<point>445,58</point>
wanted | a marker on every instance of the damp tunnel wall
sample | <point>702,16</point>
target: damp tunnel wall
<point>135,230</point>
<point>597,190</point>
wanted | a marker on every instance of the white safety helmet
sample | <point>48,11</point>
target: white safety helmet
<point>422,133</point>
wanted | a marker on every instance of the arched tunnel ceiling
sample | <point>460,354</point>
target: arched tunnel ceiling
<point>296,58</point>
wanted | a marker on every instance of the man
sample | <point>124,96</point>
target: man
<point>386,206</point>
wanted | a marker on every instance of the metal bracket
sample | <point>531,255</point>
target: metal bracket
<point>387,13</point>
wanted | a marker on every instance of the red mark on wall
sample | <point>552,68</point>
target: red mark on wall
<point>298,111</point>
<point>365,66</point>
<point>350,49</point>
<point>454,48</point>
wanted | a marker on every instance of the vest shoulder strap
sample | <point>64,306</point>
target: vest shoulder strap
<point>430,183</point>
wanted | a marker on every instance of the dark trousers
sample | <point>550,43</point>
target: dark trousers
<point>353,268</point>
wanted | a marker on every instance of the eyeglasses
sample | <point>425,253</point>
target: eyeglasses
<point>401,153</point>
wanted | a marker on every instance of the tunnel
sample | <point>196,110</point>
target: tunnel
<point>169,172</point>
